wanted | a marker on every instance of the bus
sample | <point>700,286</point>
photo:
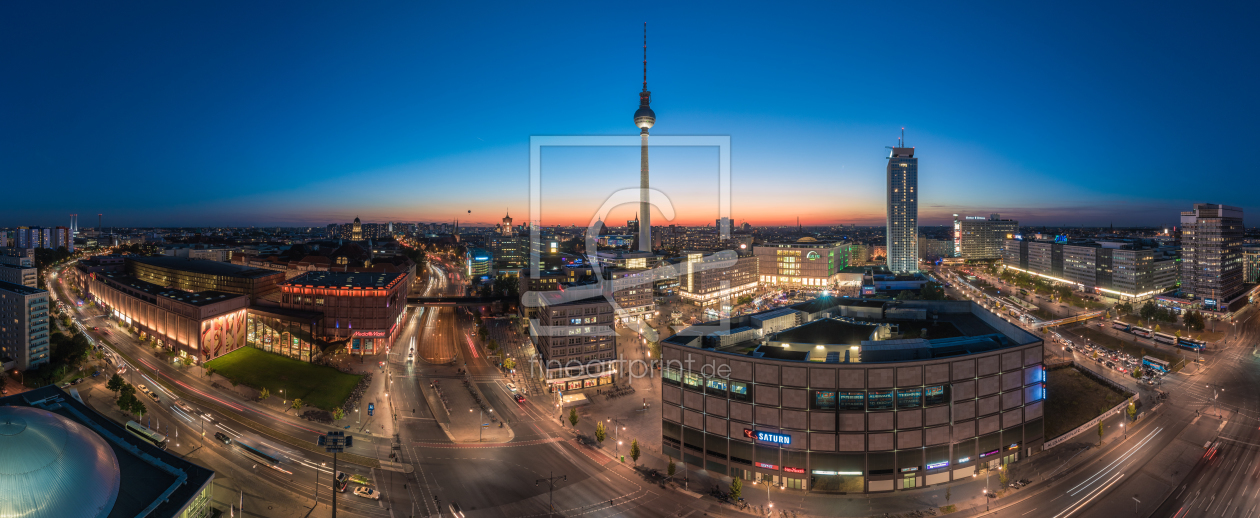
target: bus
<point>1140,331</point>
<point>1165,339</point>
<point>1121,325</point>
<point>1155,364</point>
<point>146,434</point>
<point>257,455</point>
<point>1192,344</point>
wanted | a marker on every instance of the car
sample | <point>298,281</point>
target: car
<point>76,381</point>
<point>94,328</point>
<point>342,481</point>
<point>223,438</point>
<point>511,387</point>
<point>65,385</point>
<point>520,398</point>
<point>142,388</point>
<point>367,492</point>
<point>153,396</point>
<point>95,374</point>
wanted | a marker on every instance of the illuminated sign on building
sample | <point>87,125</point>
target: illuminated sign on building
<point>798,471</point>
<point>766,466</point>
<point>834,473</point>
<point>987,453</point>
<point>369,333</point>
<point>941,464</point>
<point>907,470</point>
<point>777,438</point>
<point>964,459</point>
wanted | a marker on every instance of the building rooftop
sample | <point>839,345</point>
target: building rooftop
<point>201,298</point>
<point>206,267</point>
<point>827,331</point>
<point>913,330</point>
<point>352,280</point>
<point>63,460</point>
<point>20,289</point>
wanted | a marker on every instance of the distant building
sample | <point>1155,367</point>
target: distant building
<point>932,249</point>
<point>24,333</point>
<point>25,276</point>
<point>197,276</point>
<point>1117,269</point>
<point>977,237</point>
<point>1251,263</point>
<point>903,211</point>
<point>705,279</point>
<point>477,262</point>
<point>806,262</point>
<point>1211,255</point>
<point>573,334</point>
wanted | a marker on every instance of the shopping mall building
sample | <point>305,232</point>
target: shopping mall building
<point>855,396</point>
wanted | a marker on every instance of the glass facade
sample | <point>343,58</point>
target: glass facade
<point>284,337</point>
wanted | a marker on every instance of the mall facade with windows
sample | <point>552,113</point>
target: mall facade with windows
<point>804,262</point>
<point>858,396</point>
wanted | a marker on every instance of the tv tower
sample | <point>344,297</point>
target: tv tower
<point>644,118</point>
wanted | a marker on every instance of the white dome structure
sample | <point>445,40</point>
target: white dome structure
<point>53,467</point>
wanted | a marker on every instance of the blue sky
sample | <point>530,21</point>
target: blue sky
<point>228,113</point>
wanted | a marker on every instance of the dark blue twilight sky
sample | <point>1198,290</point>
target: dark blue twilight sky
<point>296,113</point>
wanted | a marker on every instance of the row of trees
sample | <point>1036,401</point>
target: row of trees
<point>125,396</point>
<point>1194,320</point>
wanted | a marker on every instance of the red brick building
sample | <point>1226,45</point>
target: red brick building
<point>363,309</point>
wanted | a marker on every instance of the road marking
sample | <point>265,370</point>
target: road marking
<point>1110,467</point>
<point>1030,510</point>
<point>1089,498</point>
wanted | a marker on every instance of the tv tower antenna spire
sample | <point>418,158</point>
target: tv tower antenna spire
<point>645,56</point>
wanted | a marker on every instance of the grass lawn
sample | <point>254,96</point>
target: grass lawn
<point>1072,399</point>
<point>318,386</point>
<point>1175,361</point>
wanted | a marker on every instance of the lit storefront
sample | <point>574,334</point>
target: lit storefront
<point>285,332</point>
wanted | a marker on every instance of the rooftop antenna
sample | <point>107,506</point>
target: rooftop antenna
<point>903,136</point>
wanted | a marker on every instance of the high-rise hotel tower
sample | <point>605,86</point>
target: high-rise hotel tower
<point>903,210</point>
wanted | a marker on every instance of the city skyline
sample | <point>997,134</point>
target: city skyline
<point>296,134</point>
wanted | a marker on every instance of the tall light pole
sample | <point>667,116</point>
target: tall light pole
<point>335,442</point>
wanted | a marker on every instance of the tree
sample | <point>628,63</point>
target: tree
<point>573,417</point>
<point>1132,410</point>
<point>1177,333</point>
<point>493,345</point>
<point>932,291</point>
<point>137,407</point>
<point>948,493</point>
<point>338,414</point>
<point>737,488</point>
<point>264,394</point>
<point>1148,310</point>
<point>115,383</point>
<point>1157,329</point>
<point>1100,432</point>
<point>1003,477</point>
<point>297,403</point>
<point>672,468</point>
<point>601,433</point>
<point>634,451</point>
<point>509,363</point>
<point>1137,373</point>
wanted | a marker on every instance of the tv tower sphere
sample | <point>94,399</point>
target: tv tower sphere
<point>644,117</point>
